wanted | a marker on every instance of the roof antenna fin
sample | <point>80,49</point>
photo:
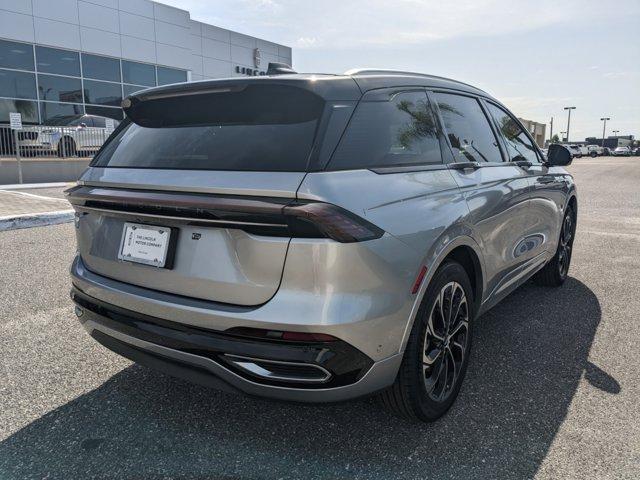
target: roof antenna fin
<point>277,68</point>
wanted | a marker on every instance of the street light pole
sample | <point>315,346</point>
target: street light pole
<point>569,120</point>
<point>604,127</point>
<point>615,132</point>
<point>551,131</point>
<point>562,136</point>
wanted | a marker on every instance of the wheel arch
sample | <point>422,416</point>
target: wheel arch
<point>466,252</point>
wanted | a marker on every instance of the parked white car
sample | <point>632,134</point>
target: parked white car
<point>595,150</point>
<point>66,136</point>
<point>575,150</point>
<point>621,152</point>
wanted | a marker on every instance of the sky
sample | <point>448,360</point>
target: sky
<point>535,56</point>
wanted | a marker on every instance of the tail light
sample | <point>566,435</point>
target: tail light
<point>257,215</point>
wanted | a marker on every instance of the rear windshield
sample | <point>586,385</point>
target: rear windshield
<point>262,128</point>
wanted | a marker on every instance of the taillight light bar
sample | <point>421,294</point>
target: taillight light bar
<point>257,215</point>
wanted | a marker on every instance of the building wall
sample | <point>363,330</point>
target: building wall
<point>140,31</point>
<point>537,130</point>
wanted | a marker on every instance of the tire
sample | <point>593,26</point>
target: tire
<point>66,147</point>
<point>555,272</point>
<point>427,384</point>
<point>593,154</point>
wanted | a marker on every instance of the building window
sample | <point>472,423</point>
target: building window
<point>100,68</point>
<point>61,62</point>
<point>130,89</point>
<point>109,112</point>
<point>171,75</point>
<point>17,84</point>
<point>102,93</point>
<point>28,109</point>
<point>16,55</point>
<point>138,73</point>
<point>55,111</point>
<point>59,89</point>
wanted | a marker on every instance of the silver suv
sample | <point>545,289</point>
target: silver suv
<point>315,238</point>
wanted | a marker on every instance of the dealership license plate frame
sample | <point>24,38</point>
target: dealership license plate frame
<point>167,250</point>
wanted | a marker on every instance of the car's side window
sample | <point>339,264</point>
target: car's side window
<point>386,132</point>
<point>467,128</point>
<point>99,122</point>
<point>519,145</point>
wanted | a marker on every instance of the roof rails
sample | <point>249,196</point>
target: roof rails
<point>383,71</point>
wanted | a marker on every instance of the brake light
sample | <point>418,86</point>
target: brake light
<point>329,221</point>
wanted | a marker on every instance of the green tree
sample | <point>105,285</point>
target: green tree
<point>555,138</point>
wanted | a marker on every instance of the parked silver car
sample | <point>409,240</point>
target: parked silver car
<point>315,237</point>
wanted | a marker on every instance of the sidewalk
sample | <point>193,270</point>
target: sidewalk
<point>33,207</point>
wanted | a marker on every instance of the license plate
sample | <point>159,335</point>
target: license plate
<point>146,244</point>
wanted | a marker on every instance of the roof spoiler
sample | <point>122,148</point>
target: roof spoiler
<point>277,68</point>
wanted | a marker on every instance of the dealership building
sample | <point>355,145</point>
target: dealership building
<point>68,57</point>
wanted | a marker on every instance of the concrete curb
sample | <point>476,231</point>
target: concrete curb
<point>35,220</point>
<point>27,186</point>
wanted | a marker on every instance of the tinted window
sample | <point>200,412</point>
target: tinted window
<point>28,109</point>
<point>468,129</point>
<point>100,68</point>
<point>129,89</point>
<point>519,147</point>
<point>59,89</point>
<point>268,128</point>
<point>171,75</point>
<point>102,93</point>
<point>399,131</point>
<point>115,113</point>
<point>138,73</point>
<point>17,84</point>
<point>62,62</point>
<point>53,113</point>
<point>16,55</point>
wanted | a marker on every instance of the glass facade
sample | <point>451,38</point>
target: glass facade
<point>45,84</point>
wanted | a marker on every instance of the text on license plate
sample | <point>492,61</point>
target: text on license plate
<point>146,244</point>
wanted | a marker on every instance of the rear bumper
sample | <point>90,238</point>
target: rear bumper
<point>207,356</point>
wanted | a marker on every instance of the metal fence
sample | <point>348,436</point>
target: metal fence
<point>45,153</point>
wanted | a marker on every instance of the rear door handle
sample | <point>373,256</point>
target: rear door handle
<point>465,165</point>
<point>545,180</point>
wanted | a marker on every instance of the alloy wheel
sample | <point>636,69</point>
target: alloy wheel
<point>445,343</point>
<point>566,243</point>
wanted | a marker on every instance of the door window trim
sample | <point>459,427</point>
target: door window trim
<point>497,137</point>
<point>513,117</point>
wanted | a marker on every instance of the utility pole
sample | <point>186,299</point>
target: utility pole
<point>604,119</point>
<point>569,120</point>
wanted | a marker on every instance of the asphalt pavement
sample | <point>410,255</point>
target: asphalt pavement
<point>552,389</point>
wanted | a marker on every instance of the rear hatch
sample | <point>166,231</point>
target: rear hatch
<point>194,193</point>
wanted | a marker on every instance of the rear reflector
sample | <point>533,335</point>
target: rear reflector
<point>303,337</point>
<point>419,279</point>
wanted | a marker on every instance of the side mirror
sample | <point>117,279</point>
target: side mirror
<point>558,156</point>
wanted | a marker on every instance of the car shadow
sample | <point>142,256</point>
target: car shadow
<point>529,355</point>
